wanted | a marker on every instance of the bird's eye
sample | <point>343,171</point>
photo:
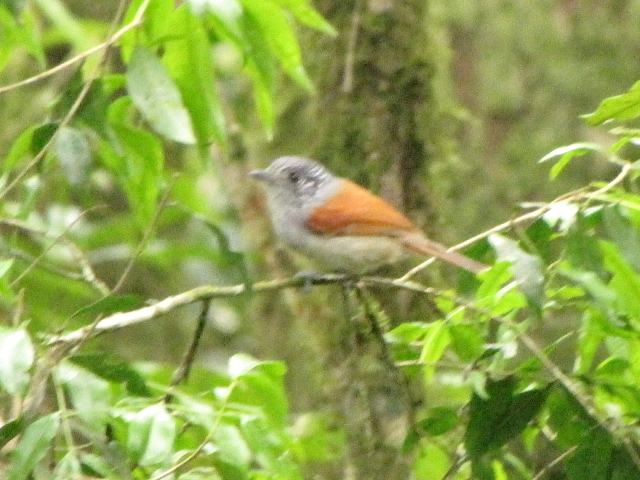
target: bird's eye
<point>294,177</point>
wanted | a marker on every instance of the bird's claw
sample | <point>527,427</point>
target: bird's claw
<point>308,279</point>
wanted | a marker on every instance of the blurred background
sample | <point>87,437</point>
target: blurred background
<point>444,107</point>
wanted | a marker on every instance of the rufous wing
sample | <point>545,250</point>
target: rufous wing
<point>353,210</point>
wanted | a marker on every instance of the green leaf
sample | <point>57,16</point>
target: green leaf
<point>432,462</point>
<point>492,281</point>
<point>614,370</point>
<point>622,467</point>
<point>440,421</point>
<point>407,332</point>
<point>156,96</point>
<point>265,392</point>
<point>503,415</point>
<point>154,29</point>
<point>225,19</point>
<point>32,447</point>
<point>271,448</point>
<point>136,159</point>
<point>201,473</point>
<point>188,59</point>
<point>69,26</point>
<point>619,107</point>
<point>243,30</point>
<point>241,364</point>
<point>19,30</point>
<point>436,340</point>
<point>97,465</point>
<point>582,248</point>
<point>281,37</point>
<point>74,154</point>
<point>10,429</point>
<point>596,456</point>
<point>305,13</point>
<point>592,458</point>
<point>526,268</point>
<point>20,148</point>
<point>90,396</point>
<point>68,467</point>
<point>499,472</point>
<point>623,233</point>
<point>263,98</point>
<point>625,282</point>
<point>316,438</point>
<point>10,36</point>
<point>232,448</point>
<point>113,369</point>
<point>566,154</point>
<point>260,384</point>
<point>5,266</point>
<point>151,435</point>
<point>466,341</point>
<point>604,295</point>
<point>30,36</point>
<point>591,336</point>
<point>16,357</point>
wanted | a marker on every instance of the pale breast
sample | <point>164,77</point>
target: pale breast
<point>353,254</point>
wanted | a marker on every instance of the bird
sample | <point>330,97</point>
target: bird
<point>340,224</point>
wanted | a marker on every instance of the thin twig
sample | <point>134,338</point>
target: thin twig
<point>86,273</point>
<point>182,373</point>
<point>350,56</point>
<point>221,412</point>
<point>67,432</point>
<point>49,267</point>
<point>547,468</point>
<point>460,460</point>
<point>145,239</point>
<point>44,252</point>
<point>78,58</point>
<point>534,214</point>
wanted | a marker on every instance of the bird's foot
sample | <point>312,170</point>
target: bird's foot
<point>308,279</point>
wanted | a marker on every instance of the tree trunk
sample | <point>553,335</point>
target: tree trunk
<point>374,119</point>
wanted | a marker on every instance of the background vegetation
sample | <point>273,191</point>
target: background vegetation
<point>151,324</point>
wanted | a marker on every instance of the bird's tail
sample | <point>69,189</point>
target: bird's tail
<point>421,244</point>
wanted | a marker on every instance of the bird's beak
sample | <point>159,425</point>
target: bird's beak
<point>260,175</point>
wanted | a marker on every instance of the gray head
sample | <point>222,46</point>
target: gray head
<point>295,186</point>
<point>296,180</point>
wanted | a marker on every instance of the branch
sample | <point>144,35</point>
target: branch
<point>349,59</point>
<point>208,292</point>
<point>183,371</point>
<point>547,468</point>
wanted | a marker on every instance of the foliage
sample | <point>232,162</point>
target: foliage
<point>497,398</point>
